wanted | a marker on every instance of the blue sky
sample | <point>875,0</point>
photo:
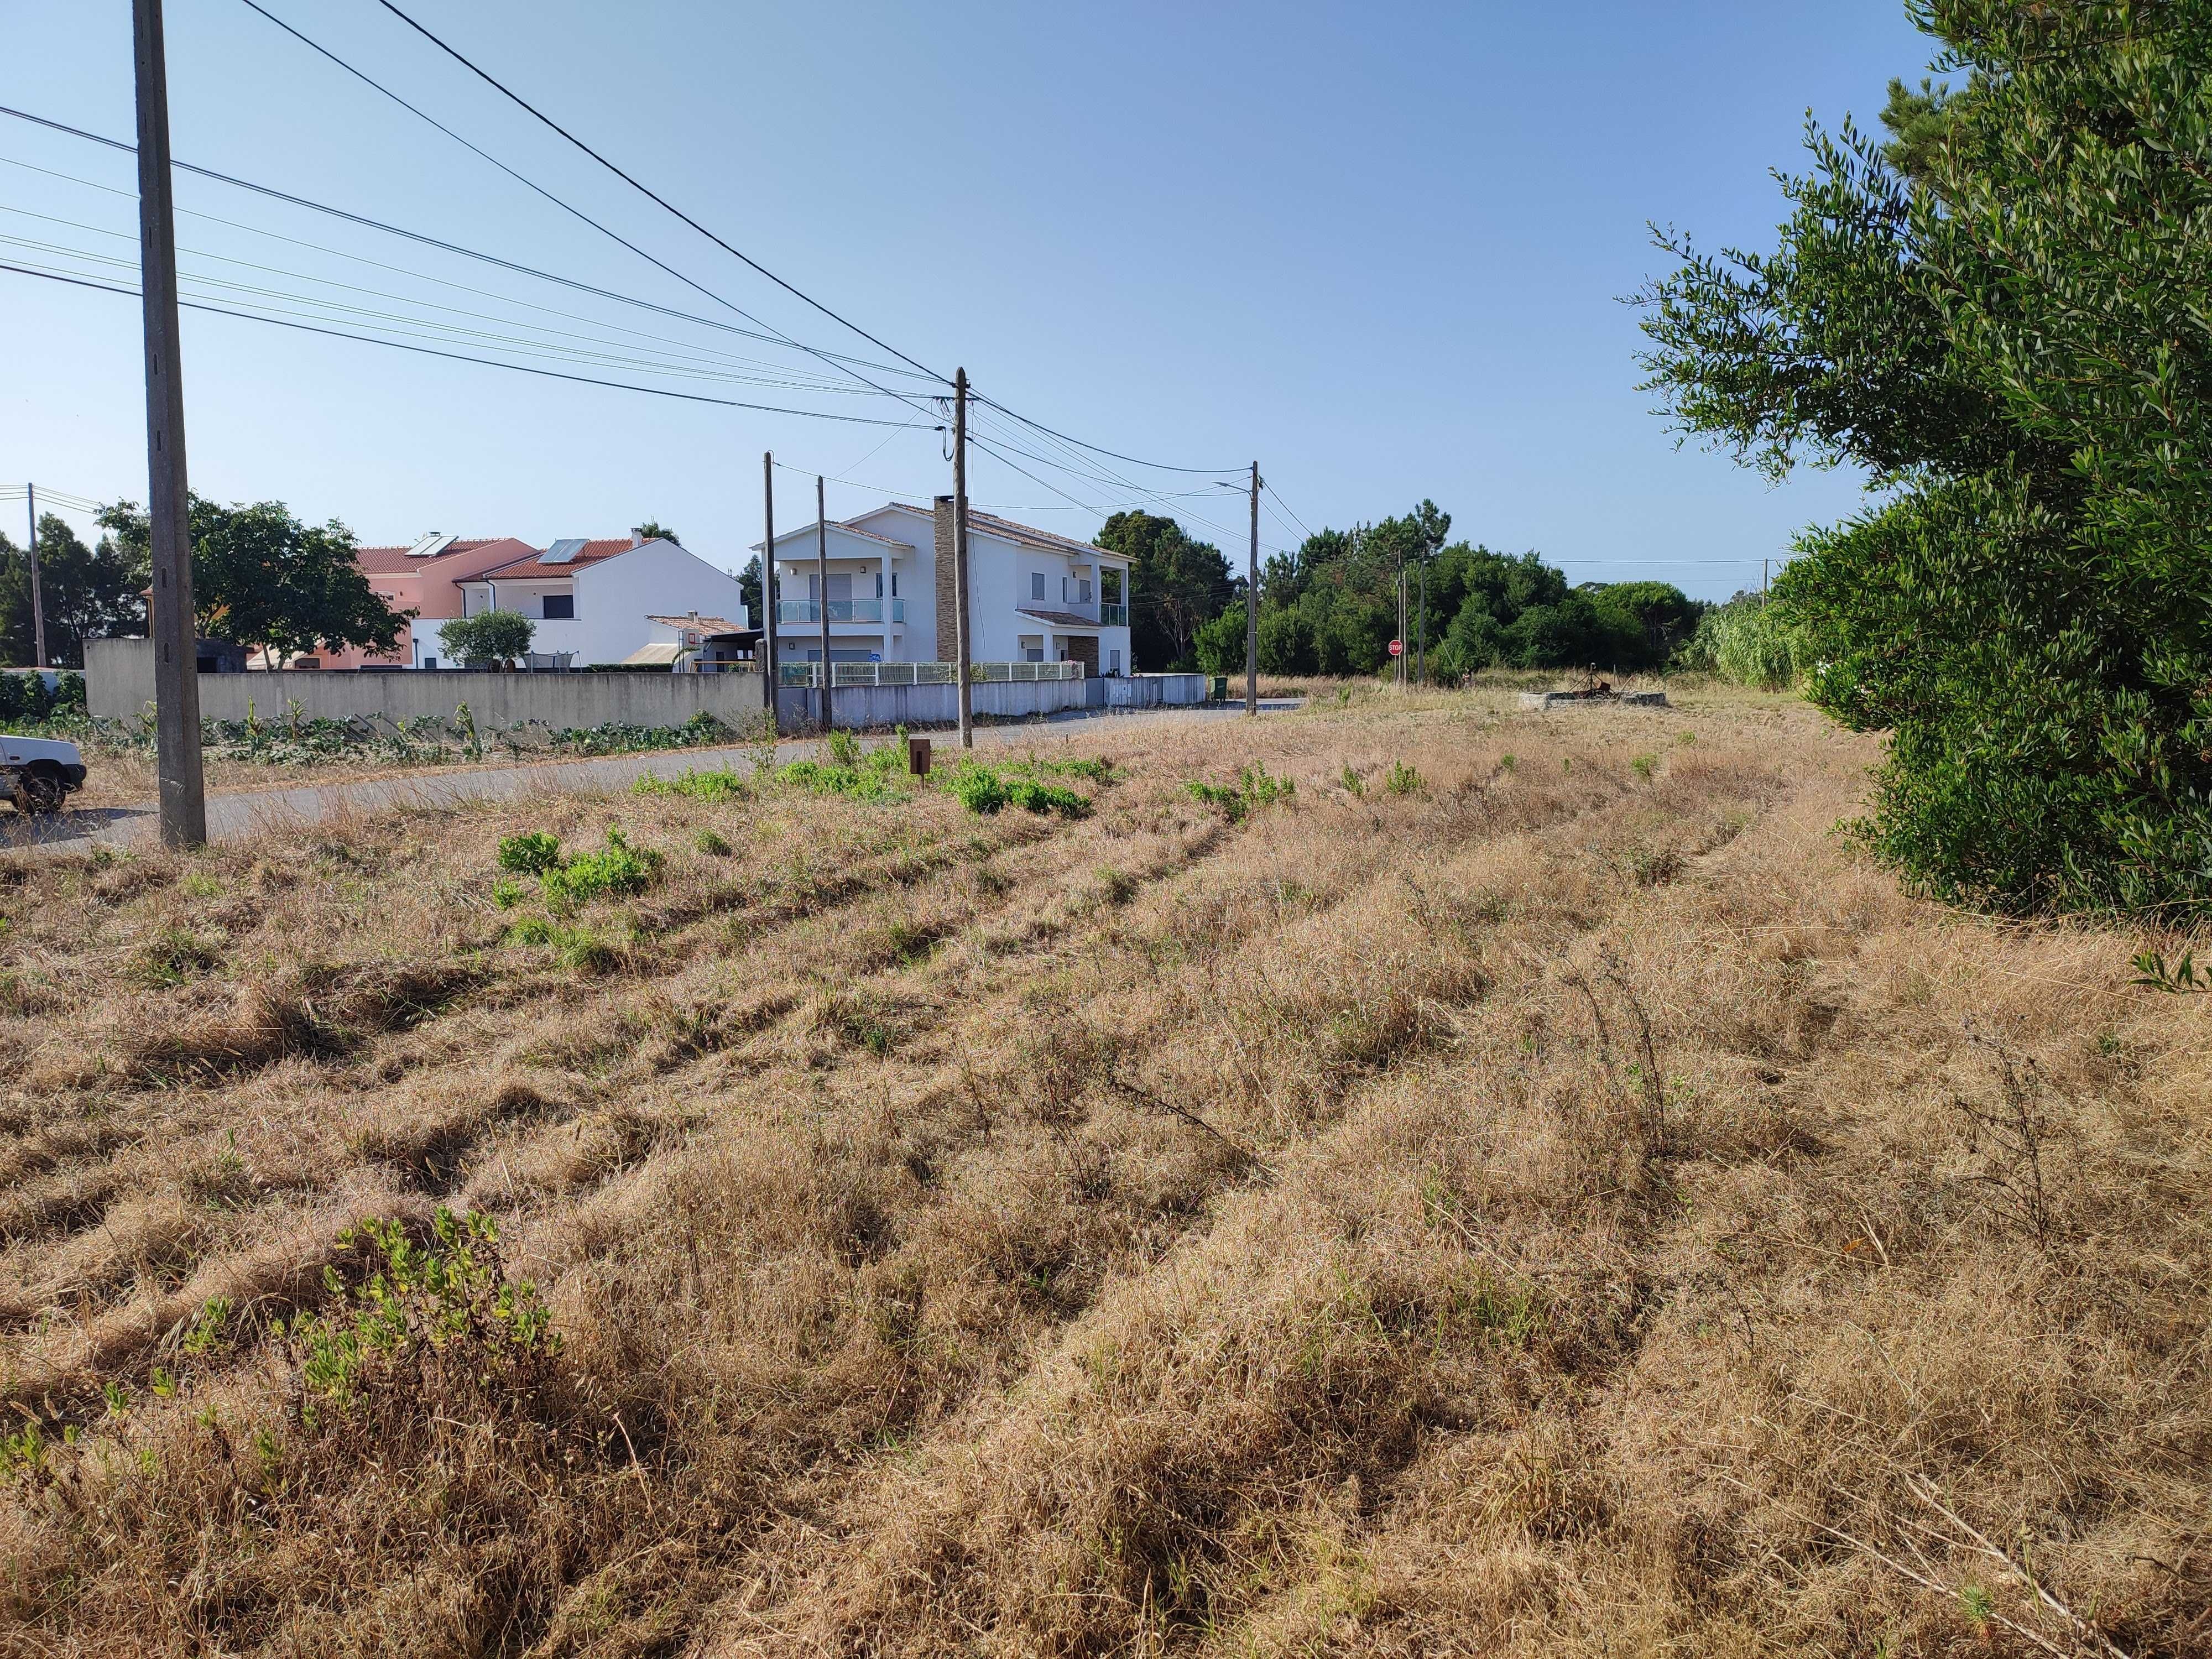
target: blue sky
<point>1377,248</point>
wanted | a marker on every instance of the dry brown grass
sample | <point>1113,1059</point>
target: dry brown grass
<point>1567,1206</point>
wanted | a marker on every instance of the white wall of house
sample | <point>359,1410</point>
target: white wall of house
<point>611,598</point>
<point>1004,574</point>
<point>883,596</point>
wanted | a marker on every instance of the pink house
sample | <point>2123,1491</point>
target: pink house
<point>425,578</point>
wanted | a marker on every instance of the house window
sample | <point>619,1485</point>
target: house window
<point>559,607</point>
<point>1036,595</point>
<point>879,583</point>
<point>1032,648</point>
<point>429,662</point>
<point>1114,660</point>
<point>895,583</point>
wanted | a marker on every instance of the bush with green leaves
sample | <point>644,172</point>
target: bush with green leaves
<point>985,790</point>
<point>488,637</point>
<point>1255,788</point>
<point>440,1305</point>
<point>616,870</point>
<point>1999,318</point>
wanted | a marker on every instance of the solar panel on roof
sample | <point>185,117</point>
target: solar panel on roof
<point>564,551</point>
<point>431,545</point>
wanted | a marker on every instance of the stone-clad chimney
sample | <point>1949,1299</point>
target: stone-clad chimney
<point>948,636</point>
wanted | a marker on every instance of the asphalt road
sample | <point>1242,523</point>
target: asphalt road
<point>240,813</point>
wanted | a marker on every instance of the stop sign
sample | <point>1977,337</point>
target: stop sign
<point>1397,647</point>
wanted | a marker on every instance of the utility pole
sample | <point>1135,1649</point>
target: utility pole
<point>38,606</point>
<point>176,655</point>
<point>1402,665</point>
<point>822,581</point>
<point>1252,605</point>
<point>1763,564</point>
<point>960,633</point>
<point>768,585</point>
<point>1421,628</point>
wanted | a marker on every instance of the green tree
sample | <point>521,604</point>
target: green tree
<point>749,592</point>
<point>265,580</point>
<point>1177,585</point>
<point>88,593</point>
<point>2009,337</point>
<point>654,529</point>
<point>490,637</point>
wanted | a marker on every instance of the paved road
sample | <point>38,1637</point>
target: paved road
<point>241,812</point>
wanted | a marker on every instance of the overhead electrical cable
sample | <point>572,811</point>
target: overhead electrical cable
<point>457,356</point>
<point>444,281</point>
<point>774,337</point>
<point>690,367</point>
<point>1133,460</point>
<point>531,109</point>
<point>577,212</point>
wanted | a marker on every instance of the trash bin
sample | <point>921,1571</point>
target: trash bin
<point>1219,690</point>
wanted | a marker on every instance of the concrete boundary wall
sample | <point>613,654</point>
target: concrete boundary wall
<point>119,685</point>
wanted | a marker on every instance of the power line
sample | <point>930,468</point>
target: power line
<point>773,338</point>
<point>524,105</point>
<point>456,356</point>
<point>699,366</point>
<point>570,208</point>
<point>1133,460</point>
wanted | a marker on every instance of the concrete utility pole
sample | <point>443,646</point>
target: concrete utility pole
<point>1763,564</point>
<point>821,581</point>
<point>960,631</point>
<point>1252,605</point>
<point>38,606</point>
<point>768,585</point>
<point>1421,628</point>
<point>176,655</point>
<point>1400,664</point>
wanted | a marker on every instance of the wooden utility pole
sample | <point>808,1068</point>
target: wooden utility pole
<point>822,581</point>
<point>960,633</point>
<point>1763,564</point>
<point>768,585</point>
<point>38,606</point>
<point>176,655</point>
<point>1252,605</point>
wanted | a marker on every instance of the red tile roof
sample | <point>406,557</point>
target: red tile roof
<point>395,560</point>
<point>590,553</point>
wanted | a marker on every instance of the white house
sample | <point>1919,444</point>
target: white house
<point>595,599</point>
<point>1033,595</point>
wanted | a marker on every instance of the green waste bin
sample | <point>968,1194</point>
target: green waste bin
<point>1220,691</point>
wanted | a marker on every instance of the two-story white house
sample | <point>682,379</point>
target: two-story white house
<point>1033,595</point>
<point>595,599</point>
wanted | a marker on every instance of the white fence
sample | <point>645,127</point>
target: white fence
<point>808,674</point>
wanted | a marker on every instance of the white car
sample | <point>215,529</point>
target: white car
<point>37,774</point>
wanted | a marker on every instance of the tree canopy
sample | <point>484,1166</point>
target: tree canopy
<point>2000,314</point>
<point>265,580</point>
<point>88,593</point>
<point>1177,585</point>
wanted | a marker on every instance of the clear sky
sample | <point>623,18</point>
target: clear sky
<point>1378,248</point>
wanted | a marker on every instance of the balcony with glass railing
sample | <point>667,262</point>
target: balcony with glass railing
<point>1111,614</point>
<point>840,611</point>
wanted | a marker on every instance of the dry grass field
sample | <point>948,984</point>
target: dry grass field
<point>1531,1190</point>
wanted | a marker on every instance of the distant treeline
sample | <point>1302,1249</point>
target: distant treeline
<point>1331,606</point>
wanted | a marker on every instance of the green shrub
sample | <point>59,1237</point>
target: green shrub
<point>722,784</point>
<point>443,1306</point>
<point>531,855</point>
<point>1255,787</point>
<point>619,868</point>
<point>1042,798</point>
<point>977,786</point>
<point>1401,779</point>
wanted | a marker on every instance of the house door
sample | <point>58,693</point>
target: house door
<point>1084,648</point>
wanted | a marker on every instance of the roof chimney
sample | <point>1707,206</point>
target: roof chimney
<point>637,535</point>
